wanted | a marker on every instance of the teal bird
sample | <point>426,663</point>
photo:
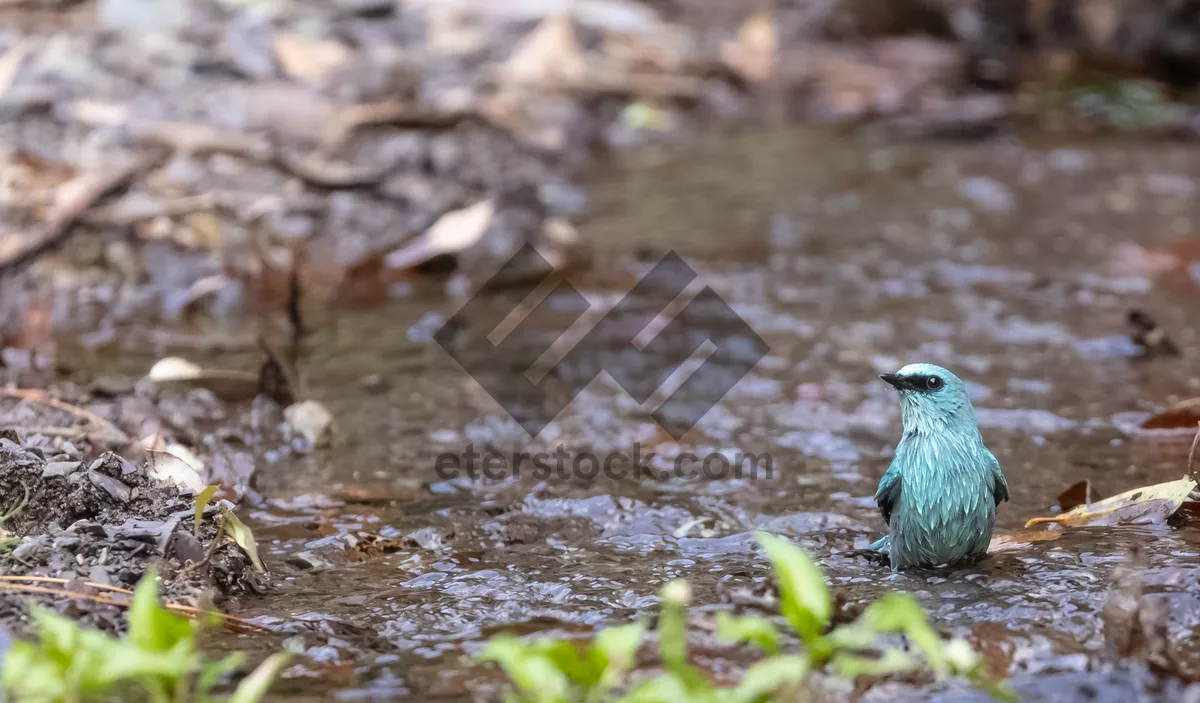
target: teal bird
<point>940,494</point>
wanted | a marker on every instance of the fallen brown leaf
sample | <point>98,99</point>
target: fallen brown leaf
<point>72,200</point>
<point>1078,493</point>
<point>229,385</point>
<point>452,233</point>
<point>1141,505</point>
<point>1182,415</point>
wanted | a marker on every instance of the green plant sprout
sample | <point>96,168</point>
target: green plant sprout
<point>157,660</point>
<point>546,670</point>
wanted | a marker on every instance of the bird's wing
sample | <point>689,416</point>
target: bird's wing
<point>888,492</point>
<point>1000,484</point>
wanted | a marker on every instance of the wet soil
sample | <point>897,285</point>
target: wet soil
<point>1015,264</point>
<point>86,527</point>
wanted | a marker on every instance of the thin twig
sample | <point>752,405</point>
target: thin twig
<point>18,587</point>
<point>55,579</point>
<point>391,112</point>
<point>66,432</point>
<point>192,138</point>
<point>1192,452</point>
<point>41,397</point>
<point>76,197</point>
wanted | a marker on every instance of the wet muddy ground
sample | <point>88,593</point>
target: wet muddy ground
<point>1014,264</point>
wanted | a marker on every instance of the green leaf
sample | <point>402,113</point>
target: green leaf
<point>255,686</point>
<point>892,661</point>
<point>804,597</point>
<point>672,637</point>
<point>32,674</point>
<point>754,629</point>
<point>960,657</point>
<point>202,500</point>
<point>620,645</point>
<point>672,625</point>
<point>770,676</point>
<point>667,688</point>
<point>153,628</point>
<point>998,690</point>
<point>567,658</point>
<point>243,536</point>
<point>213,672</point>
<point>899,612</point>
<point>60,637</point>
<point>613,653</point>
<point>531,670</point>
<point>121,661</point>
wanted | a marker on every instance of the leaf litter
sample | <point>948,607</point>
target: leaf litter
<point>1149,504</point>
<point>1146,505</point>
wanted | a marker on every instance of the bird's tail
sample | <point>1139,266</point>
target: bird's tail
<point>883,546</point>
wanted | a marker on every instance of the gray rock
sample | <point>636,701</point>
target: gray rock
<point>309,560</point>
<point>115,488</point>
<point>60,468</point>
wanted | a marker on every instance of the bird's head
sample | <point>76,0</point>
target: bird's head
<point>932,399</point>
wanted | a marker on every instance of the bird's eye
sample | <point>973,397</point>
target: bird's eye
<point>933,383</point>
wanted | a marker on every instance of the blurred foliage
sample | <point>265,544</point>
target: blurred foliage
<point>157,660</point>
<point>546,670</point>
<point>1126,105</point>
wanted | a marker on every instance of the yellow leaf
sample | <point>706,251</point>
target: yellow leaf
<point>202,500</point>
<point>1156,502</point>
<point>241,534</point>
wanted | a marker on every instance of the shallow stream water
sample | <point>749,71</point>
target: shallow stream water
<point>1012,264</point>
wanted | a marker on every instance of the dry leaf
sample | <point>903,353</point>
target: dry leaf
<point>202,230</point>
<point>1014,541</point>
<point>538,120</point>
<point>173,368</point>
<point>244,538</point>
<point>549,56</point>
<point>753,54</point>
<point>1078,493</point>
<point>311,60</point>
<point>202,500</point>
<point>1149,504</point>
<point>1182,415</point>
<point>177,465</point>
<point>229,385</point>
<point>452,233</point>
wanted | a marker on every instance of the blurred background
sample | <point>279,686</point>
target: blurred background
<point>178,159</point>
<point>293,197</point>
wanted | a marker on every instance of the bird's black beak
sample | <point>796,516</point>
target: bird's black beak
<point>897,381</point>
